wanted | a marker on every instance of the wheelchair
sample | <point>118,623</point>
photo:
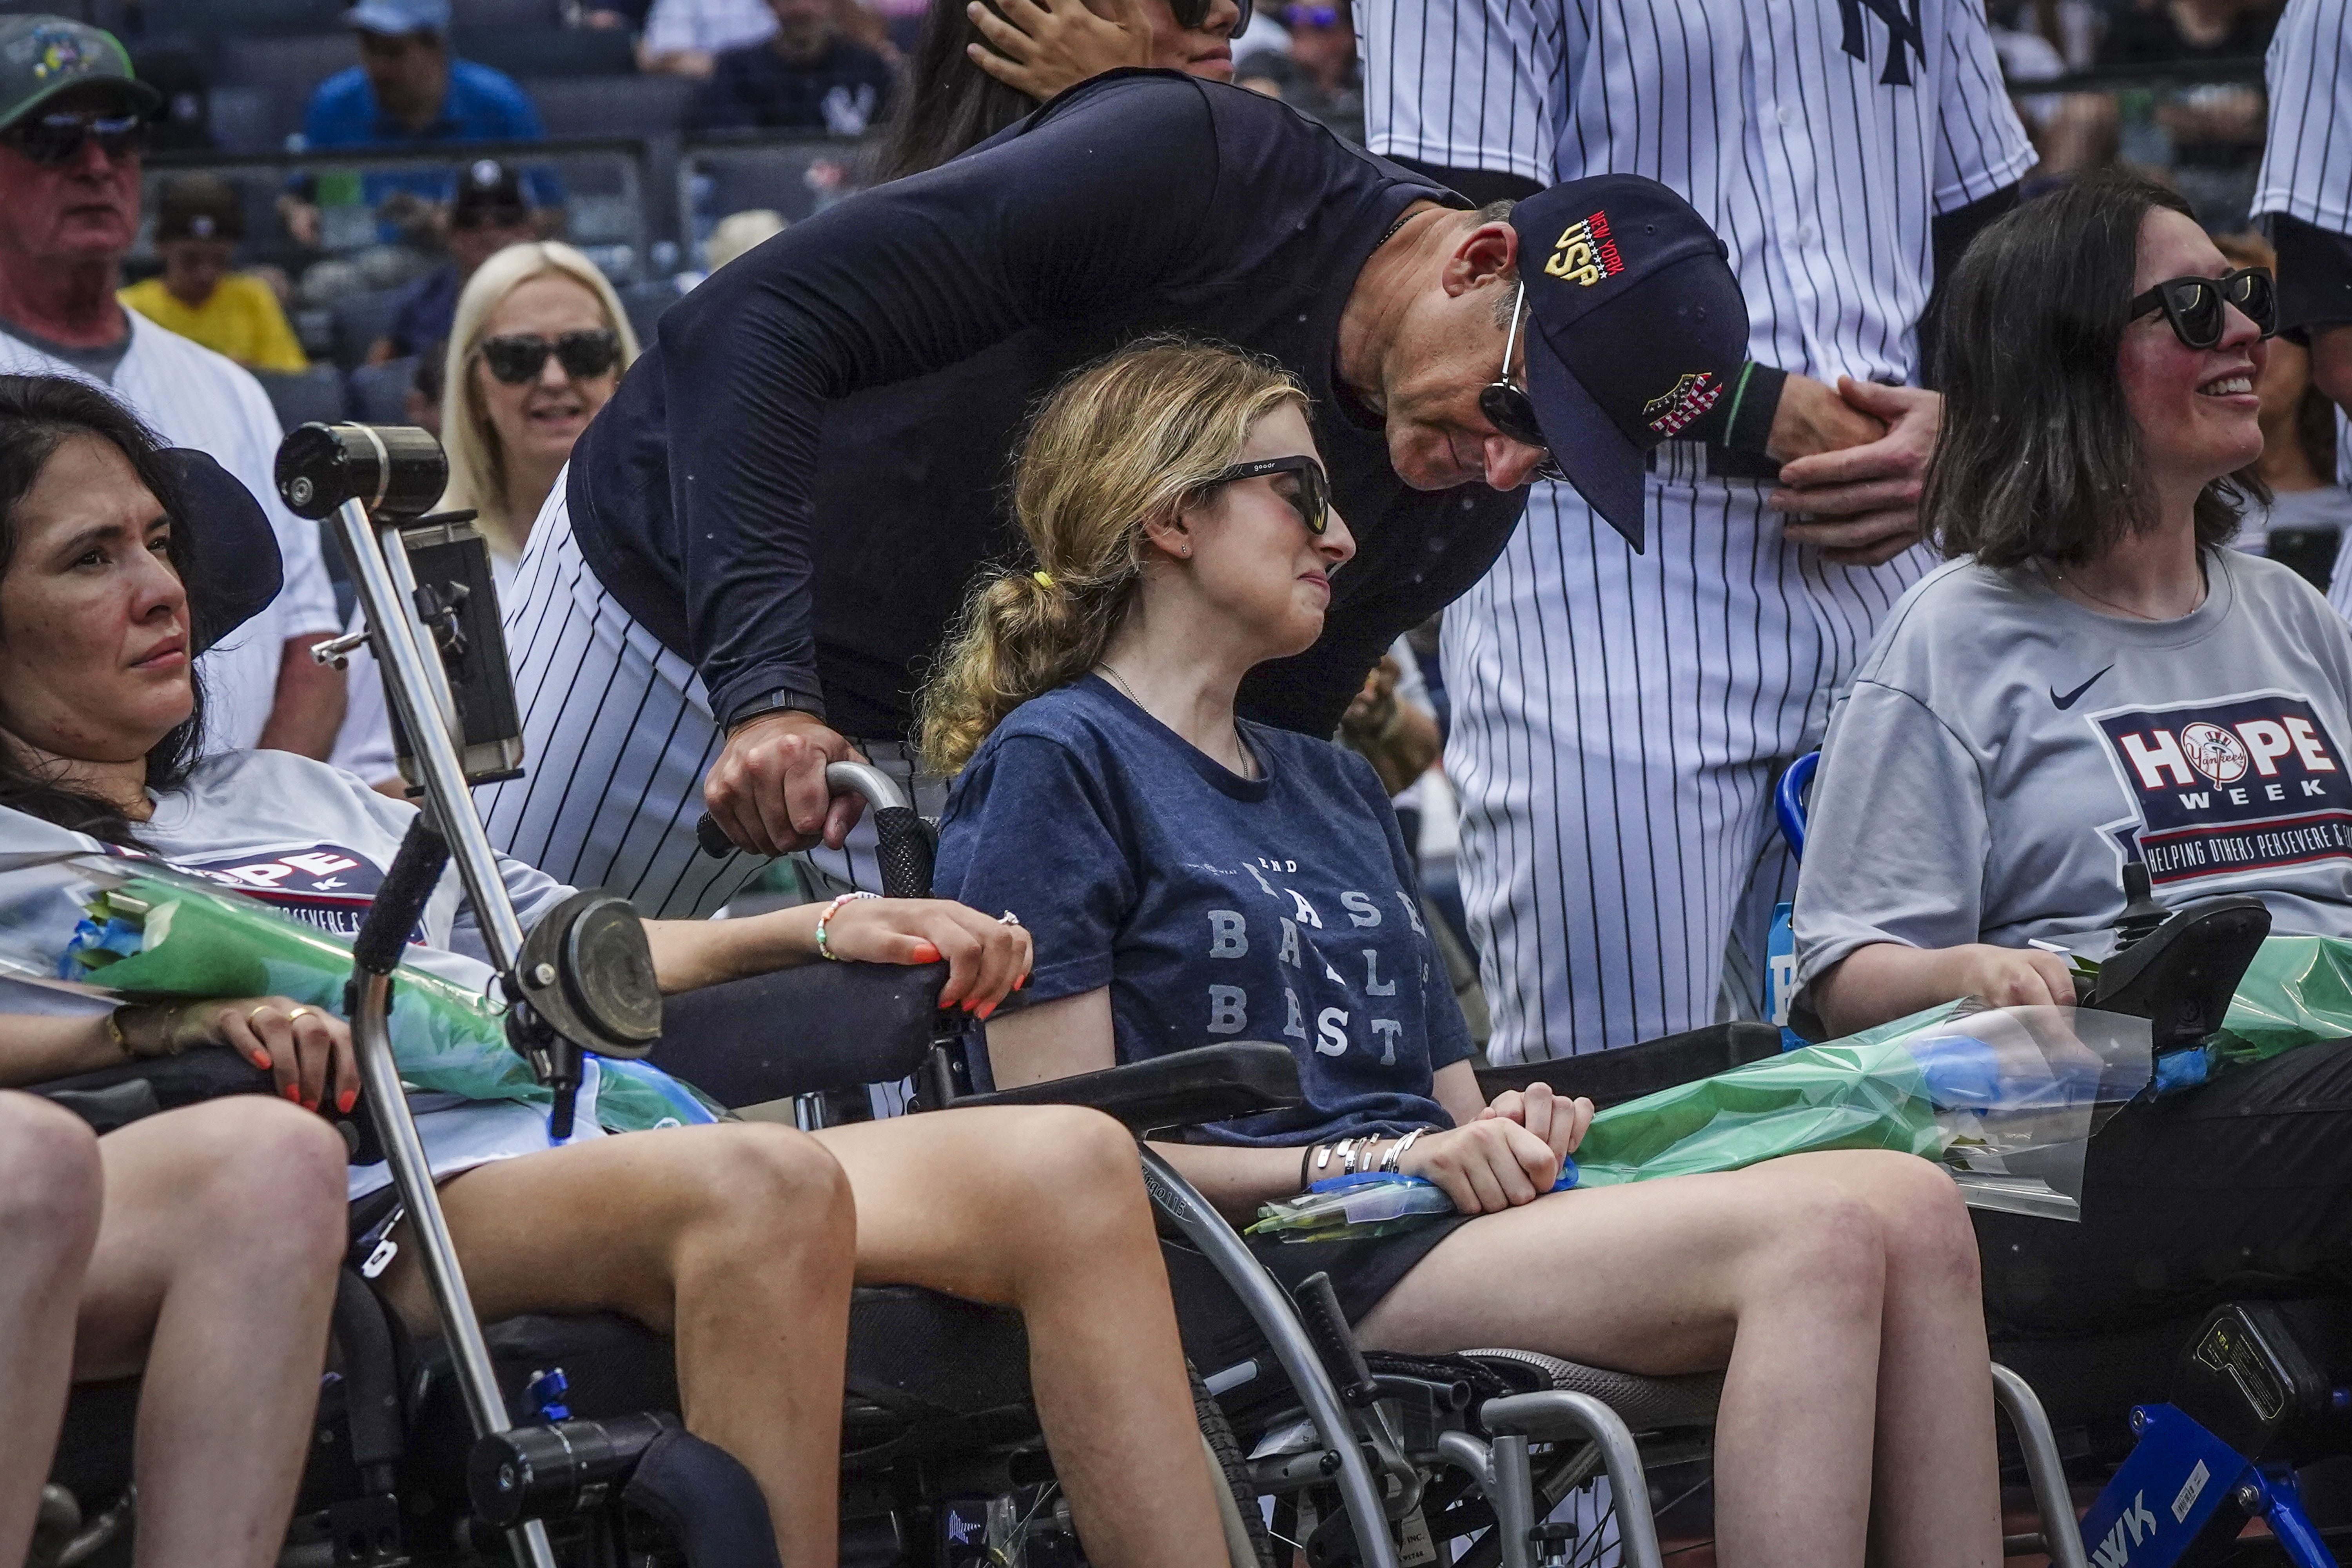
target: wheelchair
<point>2192,1427</point>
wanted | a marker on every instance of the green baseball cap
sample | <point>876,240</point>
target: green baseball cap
<point>41,57</point>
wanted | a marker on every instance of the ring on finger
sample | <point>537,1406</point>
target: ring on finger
<point>250,1018</point>
<point>1008,919</point>
<point>298,1013</point>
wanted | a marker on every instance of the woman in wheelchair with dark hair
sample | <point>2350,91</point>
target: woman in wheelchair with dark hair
<point>2093,680</point>
<point>1191,878</point>
<point>741,1240</point>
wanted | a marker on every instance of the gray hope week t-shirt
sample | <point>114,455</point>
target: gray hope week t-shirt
<point>2003,753</point>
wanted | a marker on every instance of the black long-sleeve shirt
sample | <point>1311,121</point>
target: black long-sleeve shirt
<point>793,488</point>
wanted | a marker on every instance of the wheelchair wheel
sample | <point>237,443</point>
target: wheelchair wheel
<point>1237,1498</point>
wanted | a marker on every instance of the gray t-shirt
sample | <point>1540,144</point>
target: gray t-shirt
<point>99,364</point>
<point>2003,753</point>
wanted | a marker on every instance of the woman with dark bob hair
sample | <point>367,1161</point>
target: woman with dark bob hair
<point>2094,680</point>
<point>738,1240</point>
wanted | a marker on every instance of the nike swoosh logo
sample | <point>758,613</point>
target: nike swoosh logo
<point>2068,700</point>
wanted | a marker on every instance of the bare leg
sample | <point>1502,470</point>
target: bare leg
<point>1785,1275</point>
<point>1043,1210</point>
<point>50,1194</point>
<point>216,1271</point>
<point>736,1240</point>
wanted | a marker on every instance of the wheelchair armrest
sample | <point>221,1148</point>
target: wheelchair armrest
<point>1611,1078</point>
<point>1210,1083</point>
<point>115,1097</point>
<point>800,1030</point>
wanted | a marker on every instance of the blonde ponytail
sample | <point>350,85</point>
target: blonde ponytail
<point>1124,441</point>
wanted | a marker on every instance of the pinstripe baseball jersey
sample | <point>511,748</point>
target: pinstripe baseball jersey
<point>193,397</point>
<point>1818,137</point>
<point>2307,160</point>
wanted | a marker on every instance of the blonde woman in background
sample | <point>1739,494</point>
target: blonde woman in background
<point>537,348</point>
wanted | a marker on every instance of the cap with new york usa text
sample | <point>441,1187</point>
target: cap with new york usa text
<point>1635,330</point>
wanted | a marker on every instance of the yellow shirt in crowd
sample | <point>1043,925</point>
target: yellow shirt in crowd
<point>242,320</point>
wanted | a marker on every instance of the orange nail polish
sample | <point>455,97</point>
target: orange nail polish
<point>985,1009</point>
<point>261,1060</point>
<point>345,1100</point>
<point>294,1093</point>
<point>925,952</point>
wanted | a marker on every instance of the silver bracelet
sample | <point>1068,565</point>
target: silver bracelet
<point>1346,1152</point>
<point>1395,1156</point>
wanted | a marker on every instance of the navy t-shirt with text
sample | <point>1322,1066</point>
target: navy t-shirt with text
<point>1215,908</point>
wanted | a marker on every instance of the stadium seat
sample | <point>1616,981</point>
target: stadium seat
<point>613,106</point>
<point>380,392</point>
<point>314,393</point>
<point>546,51</point>
<point>290,65</point>
<point>644,303</point>
<point>359,321</point>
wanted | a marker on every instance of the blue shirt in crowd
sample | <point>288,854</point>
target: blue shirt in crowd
<point>1215,908</point>
<point>481,105</point>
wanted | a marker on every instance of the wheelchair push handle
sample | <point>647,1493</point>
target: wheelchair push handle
<point>905,843</point>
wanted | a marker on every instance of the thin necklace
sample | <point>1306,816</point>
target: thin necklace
<point>1248,769</point>
<point>2050,569</point>
<point>1403,218</point>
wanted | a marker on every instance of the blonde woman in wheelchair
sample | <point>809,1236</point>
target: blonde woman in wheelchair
<point>1189,878</point>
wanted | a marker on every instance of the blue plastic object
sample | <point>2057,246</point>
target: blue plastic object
<point>1789,801</point>
<point>2171,1485</point>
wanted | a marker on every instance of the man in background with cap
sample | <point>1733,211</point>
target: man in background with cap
<point>764,536</point>
<point>199,223</point>
<point>71,131</point>
<point>408,88</point>
<point>487,216</point>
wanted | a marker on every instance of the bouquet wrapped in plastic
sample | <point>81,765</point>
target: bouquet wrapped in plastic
<point>2008,1098</point>
<point>134,930</point>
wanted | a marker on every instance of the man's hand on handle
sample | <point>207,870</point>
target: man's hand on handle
<point>1859,504</point>
<point>767,789</point>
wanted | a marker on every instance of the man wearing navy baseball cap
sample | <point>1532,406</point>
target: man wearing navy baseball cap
<point>794,567</point>
<point>1636,335</point>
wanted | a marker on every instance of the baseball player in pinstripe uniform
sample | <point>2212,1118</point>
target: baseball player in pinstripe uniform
<point>2304,194</point>
<point>1620,717</point>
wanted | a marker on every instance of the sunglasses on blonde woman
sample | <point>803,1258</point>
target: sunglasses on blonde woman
<point>518,357</point>
<point>1310,498</point>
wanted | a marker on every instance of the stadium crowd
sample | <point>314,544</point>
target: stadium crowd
<point>1147,430</point>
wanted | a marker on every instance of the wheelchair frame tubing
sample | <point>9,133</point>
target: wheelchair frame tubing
<point>1277,1319</point>
<point>420,690</point>
<point>1501,1468</point>
<point>2044,1470</point>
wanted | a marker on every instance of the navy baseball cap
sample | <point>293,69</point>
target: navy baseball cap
<point>237,569</point>
<point>1635,329</point>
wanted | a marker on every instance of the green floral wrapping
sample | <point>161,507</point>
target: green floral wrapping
<point>155,937</point>
<point>1852,1095</point>
<point>2298,991</point>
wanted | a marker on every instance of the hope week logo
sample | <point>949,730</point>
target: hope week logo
<point>2226,785</point>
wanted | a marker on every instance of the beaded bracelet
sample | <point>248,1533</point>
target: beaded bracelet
<point>823,948</point>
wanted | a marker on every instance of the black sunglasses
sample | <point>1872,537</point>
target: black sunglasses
<point>1193,13</point>
<point>1312,500</point>
<point>518,357</point>
<point>2194,305</point>
<point>1511,411</point>
<point>56,140</point>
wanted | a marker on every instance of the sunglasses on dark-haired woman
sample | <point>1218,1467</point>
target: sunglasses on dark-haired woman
<point>518,357</point>
<point>2195,306</point>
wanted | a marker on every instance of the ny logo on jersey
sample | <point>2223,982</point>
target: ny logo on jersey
<point>1902,28</point>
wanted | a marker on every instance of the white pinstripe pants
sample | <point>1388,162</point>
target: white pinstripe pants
<point>1618,723</point>
<point>618,734</point>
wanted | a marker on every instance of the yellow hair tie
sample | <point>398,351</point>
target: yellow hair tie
<point>1045,579</point>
